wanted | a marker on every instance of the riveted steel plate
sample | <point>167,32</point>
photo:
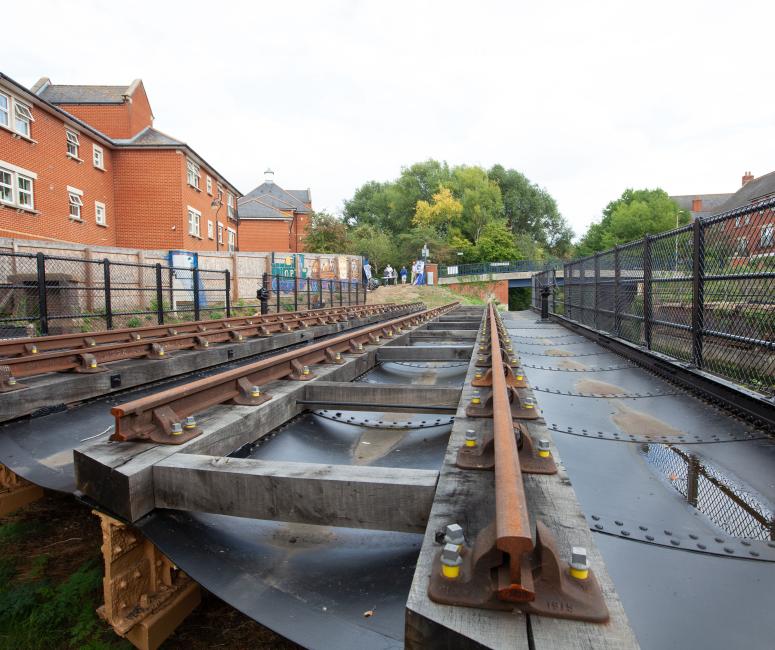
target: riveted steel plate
<point>656,393</point>
<point>718,544</point>
<point>430,373</point>
<point>629,381</point>
<point>592,369</point>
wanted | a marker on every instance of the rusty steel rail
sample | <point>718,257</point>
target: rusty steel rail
<point>90,359</point>
<point>511,517</point>
<point>165,417</point>
<point>20,347</point>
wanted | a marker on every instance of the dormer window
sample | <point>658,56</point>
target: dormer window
<point>73,143</point>
<point>192,173</point>
<point>23,118</point>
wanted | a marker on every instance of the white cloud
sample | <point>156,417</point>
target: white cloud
<point>585,98</point>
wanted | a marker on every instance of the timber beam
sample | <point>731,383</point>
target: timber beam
<point>425,353</point>
<point>408,398</point>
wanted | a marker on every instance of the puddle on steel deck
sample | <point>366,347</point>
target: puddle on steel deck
<point>339,437</point>
<point>638,423</point>
<point>725,501</point>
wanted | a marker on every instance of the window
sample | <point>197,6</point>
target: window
<point>747,219</point>
<point>220,193</point>
<point>210,231</point>
<point>232,240</point>
<point>192,173</point>
<point>72,143</point>
<point>98,157</point>
<point>742,247</point>
<point>230,205</point>
<point>6,186</point>
<point>194,217</point>
<point>25,197</point>
<point>23,118</point>
<point>737,222</point>
<point>767,237</point>
<point>16,186</point>
<point>99,214</point>
<point>5,108</point>
<point>75,202</point>
<point>220,233</point>
<point>209,186</point>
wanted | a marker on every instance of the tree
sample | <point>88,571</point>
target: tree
<point>444,212</point>
<point>373,243</point>
<point>480,197</point>
<point>496,243</point>
<point>325,234</point>
<point>632,216</point>
<point>531,210</point>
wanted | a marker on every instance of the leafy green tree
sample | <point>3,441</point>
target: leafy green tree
<point>325,234</point>
<point>372,242</point>
<point>496,243</point>
<point>444,212</point>
<point>481,199</point>
<point>632,216</point>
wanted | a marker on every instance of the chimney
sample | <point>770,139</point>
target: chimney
<point>747,178</point>
<point>697,204</point>
<point>269,176</point>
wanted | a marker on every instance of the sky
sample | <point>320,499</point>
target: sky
<point>585,98</point>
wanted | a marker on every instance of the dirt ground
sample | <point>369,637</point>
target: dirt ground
<point>51,584</point>
<point>431,296</point>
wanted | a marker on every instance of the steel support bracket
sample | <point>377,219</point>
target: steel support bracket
<point>8,382</point>
<point>482,456</point>
<point>520,409</point>
<point>246,395</point>
<point>546,586</point>
<point>88,364</point>
<point>514,377</point>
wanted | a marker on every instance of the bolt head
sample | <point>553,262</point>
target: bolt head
<point>177,427</point>
<point>470,434</point>
<point>579,558</point>
<point>450,555</point>
<point>11,381</point>
<point>453,534</point>
<point>543,444</point>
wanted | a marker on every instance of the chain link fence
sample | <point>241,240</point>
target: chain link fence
<point>703,294</point>
<point>46,294</point>
<point>291,293</point>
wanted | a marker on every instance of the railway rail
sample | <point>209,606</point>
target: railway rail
<point>168,416</point>
<point>86,353</point>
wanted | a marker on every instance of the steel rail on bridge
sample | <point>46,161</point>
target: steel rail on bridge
<point>167,417</point>
<point>158,342</point>
<point>504,568</point>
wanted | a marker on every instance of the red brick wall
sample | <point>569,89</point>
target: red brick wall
<point>149,197</point>
<point>264,235</point>
<point>116,120</point>
<point>498,289</point>
<point>48,158</point>
<point>201,200</point>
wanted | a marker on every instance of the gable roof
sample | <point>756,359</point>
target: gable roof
<point>302,195</point>
<point>151,137</point>
<point>751,192</point>
<point>277,193</point>
<point>80,94</point>
<point>257,209</point>
<point>710,203</point>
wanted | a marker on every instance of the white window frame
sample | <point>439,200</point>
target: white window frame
<point>75,201</point>
<point>22,113</point>
<point>767,235</point>
<point>73,143</point>
<point>220,192</point>
<point>209,186</point>
<point>194,222</point>
<point>19,176</point>
<point>230,205</point>
<point>10,186</point>
<point>99,207</point>
<point>231,239</point>
<point>210,229</point>
<point>98,156</point>
<point>193,173</point>
<point>5,111</point>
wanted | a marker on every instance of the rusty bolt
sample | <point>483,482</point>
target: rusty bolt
<point>176,429</point>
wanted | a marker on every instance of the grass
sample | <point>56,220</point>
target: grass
<point>431,296</point>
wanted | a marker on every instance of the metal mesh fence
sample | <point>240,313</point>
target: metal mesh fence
<point>703,294</point>
<point>725,503</point>
<point>295,293</point>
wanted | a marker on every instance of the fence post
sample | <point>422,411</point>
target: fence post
<point>309,296</point>
<point>263,294</point>
<point>276,278</point>
<point>340,293</point>
<point>349,293</point>
<point>295,293</point>
<point>596,289</point>
<point>647,295</point>
<point>196,293</point>
<point>159,296</point>
<point>698,292</point>
<point>617,280</point>
<point>108,302</point>
<point>320,292</point>
<point>228,293</point>
<point>42,304</point>
<point>692,478</point>
<point>566,283</point>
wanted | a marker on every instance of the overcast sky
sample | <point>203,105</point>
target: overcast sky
<point>585,98</point>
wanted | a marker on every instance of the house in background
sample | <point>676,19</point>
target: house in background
<point>753,233</point>
<point>272,218</point>
<point>701,206</point>
<point>83,164</point>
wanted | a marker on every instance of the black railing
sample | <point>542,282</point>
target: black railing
<point>290,293</point>
<point>703,294</point>
<point>49,294</point>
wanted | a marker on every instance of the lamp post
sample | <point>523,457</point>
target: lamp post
<point>216,204</point>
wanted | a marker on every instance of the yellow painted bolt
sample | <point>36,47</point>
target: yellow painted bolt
<point>579,567</point>
<point>476,399</point>
<point>92,364</point>
<point>161,353</point>
<point>528,403</point>
<point>12,381</point>
<point>338,356</point>
<point>255,391</point>
<point>34,349</point>
<point>478,375</point>
<point>450,561</point>
<point>543,448</point>
<point>177,429</point>
<point>305,370</point>
<point>470,438</point>
<point>189,422</point>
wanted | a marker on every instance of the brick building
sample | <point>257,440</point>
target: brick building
<point>83,164</point>
<point>272,218</point>
<point>752,233</point>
